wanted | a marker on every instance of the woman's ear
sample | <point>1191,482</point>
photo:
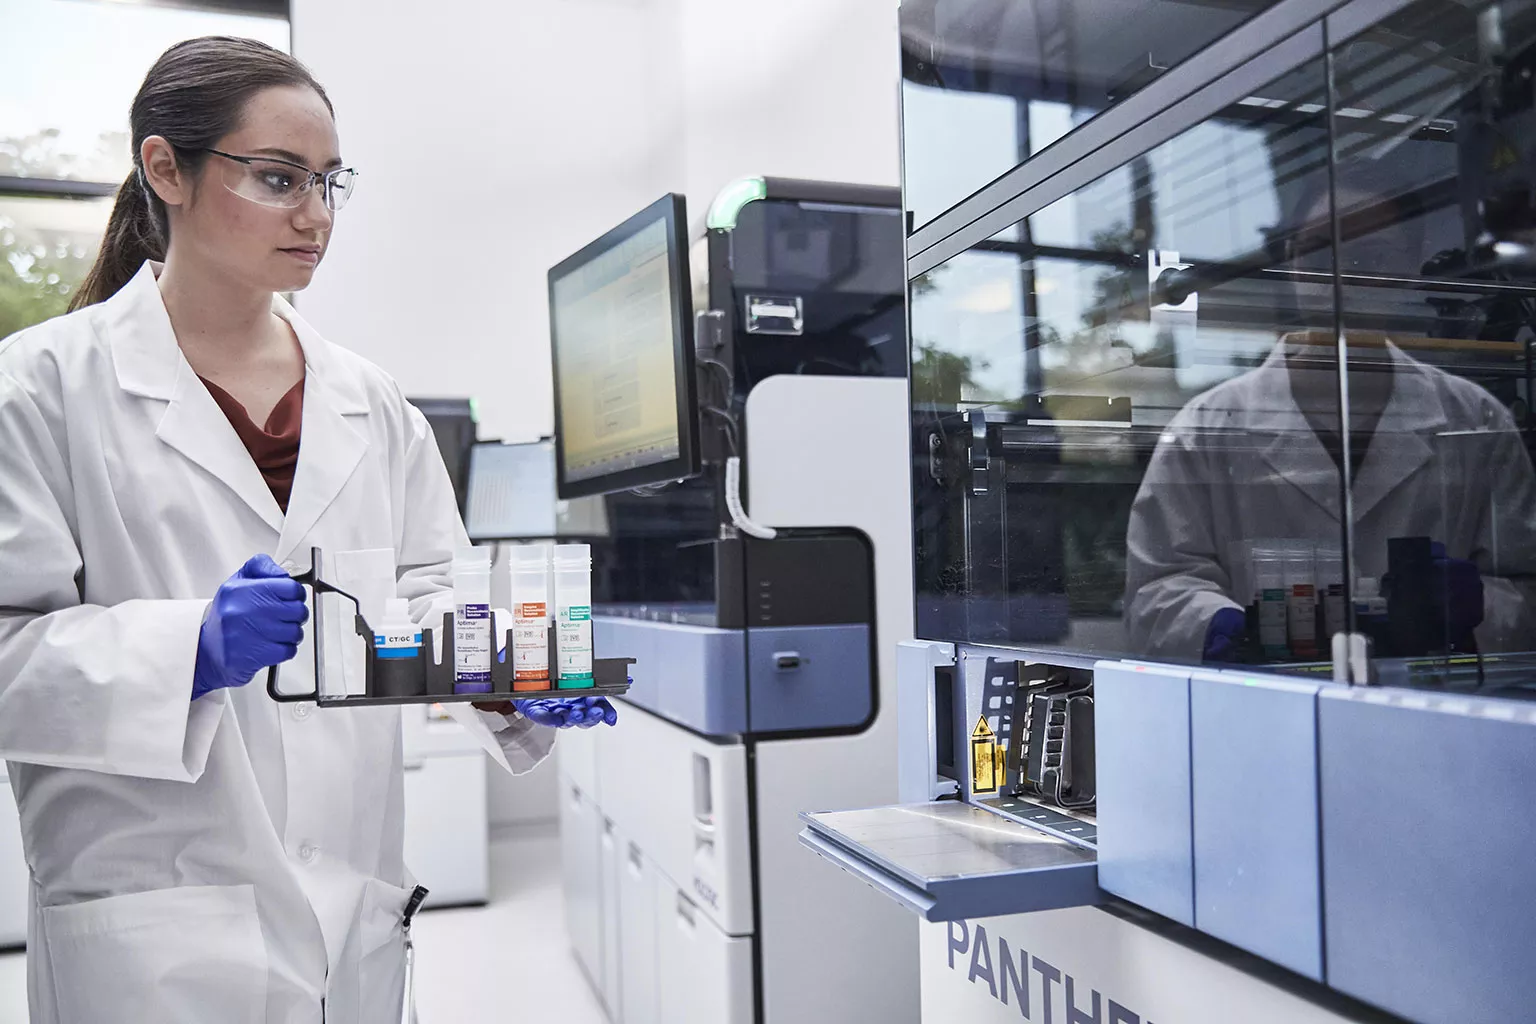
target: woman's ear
<point>162,172</point>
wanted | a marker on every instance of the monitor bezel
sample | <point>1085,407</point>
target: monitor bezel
<point>672,209</point>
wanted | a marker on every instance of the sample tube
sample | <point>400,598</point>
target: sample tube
<point>472,620</point>
<point>397,669</point>
<point>1269,579</point>
<point>1301,611</point>
<point>530,617</point>
<point>1330,591</point>
<point>573,615</point>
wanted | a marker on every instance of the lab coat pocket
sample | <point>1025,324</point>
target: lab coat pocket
<point>186,955</point>
<point>380,937</point>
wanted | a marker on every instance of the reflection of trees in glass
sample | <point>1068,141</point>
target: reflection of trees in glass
<point>46,154</point>
<point>1115,288</point>
<point>39,271</point>
<point>941,377</point>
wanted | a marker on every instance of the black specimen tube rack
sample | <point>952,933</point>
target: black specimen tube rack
<point>423,679</point>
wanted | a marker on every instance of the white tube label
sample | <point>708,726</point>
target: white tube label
<point>472,643</point>
<point>530,641</point>
<point>573,641</point>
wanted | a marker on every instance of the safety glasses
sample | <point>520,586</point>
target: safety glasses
<point>268,181</point>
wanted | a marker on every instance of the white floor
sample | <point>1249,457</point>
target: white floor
<point>507,962</point>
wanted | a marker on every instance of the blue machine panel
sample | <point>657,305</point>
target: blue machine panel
<point>1428,822</point>
<point>1141,725</point>
<point>808,677</point>
<point>1254,752</point>
<point>693,675</point>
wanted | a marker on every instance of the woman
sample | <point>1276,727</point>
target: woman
<point>198,852</point>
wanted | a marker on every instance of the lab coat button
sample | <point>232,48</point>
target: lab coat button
<point>301,711</point>
<point>307,853</point>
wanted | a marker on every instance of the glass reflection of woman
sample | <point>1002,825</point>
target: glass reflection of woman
<point>1260,457</point>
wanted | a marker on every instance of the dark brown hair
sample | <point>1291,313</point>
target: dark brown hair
<point>193,96</point>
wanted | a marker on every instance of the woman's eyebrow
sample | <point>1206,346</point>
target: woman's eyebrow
<point>292,157</point>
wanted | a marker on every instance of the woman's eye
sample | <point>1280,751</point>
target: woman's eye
<point>277,181</point>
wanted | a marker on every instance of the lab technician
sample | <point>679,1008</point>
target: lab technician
<point>1431,455</point>
<point>169,452</point>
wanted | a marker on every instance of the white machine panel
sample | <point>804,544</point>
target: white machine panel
<point>581,828</point>
<point>975,972</point>
<point>13,871</point>
<point>446,831</point>
<point>705,975</point>
<point>829,932</point>
<point>639,989</point>
<point>684,801</point>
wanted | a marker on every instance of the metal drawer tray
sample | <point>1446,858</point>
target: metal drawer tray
<point>949,860</point>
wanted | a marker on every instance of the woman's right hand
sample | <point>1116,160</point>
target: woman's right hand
<point>256,620</point>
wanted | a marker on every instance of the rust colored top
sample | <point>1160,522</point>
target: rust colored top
<point>273,447</point>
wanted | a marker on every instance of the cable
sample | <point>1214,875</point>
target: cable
<point>739,517</point>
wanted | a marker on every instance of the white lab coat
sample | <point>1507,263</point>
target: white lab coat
<point>1240,465</point>
<point>226,859</point>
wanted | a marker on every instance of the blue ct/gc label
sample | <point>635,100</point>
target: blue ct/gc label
<point>396,645</point>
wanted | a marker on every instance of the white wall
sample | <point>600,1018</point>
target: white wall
<point>792,88</point>
<point>496,138</point>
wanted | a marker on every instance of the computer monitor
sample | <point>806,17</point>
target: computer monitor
<point>454,425</point>
<point>621,330</point>
<point>511,491</point>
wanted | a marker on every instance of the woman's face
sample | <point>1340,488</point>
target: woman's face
<point>266,247</point>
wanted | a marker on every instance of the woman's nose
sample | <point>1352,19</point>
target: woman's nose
<point>312,213</point>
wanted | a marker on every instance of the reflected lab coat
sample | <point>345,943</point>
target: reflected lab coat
<point>226,859</point>
<point>1240,465</point>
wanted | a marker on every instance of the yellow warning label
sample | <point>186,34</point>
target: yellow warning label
<point>986,758</point>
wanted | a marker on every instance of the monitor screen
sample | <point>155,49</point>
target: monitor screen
<point>511,491</point>
<point>622,340</point>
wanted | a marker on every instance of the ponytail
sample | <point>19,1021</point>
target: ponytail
<point>136,232</point>
<point>193,96</point>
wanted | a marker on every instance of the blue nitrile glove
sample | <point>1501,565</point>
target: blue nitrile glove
<point>1460,586</point>
<point>568,712</point>
<point>1223,637</point>
<point>256,620</point>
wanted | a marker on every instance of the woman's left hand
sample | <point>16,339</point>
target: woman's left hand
<point>559,712</point>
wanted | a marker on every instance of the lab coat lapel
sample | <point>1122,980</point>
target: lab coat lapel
<point>1399,447</point>
<point>330,448</point>
<point>1294,453</point>
<point>149,364</point>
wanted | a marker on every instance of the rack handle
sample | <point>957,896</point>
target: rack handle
<point>317,586</point>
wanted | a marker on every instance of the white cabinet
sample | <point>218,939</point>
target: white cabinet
<point>446,837</point>
<point>576,753</point>
<point>610,856</point>
<point>705,975</point>
<point>580,844</point>
<point>638,962</point>
<point>683,801</point>
<point>13,871</point>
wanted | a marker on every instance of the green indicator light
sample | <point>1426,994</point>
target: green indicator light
<point>474,409</point>
<point>727,205</point>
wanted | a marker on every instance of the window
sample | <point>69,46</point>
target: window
<point>72,67</point>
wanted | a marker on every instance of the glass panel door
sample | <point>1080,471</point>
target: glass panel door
<point>1120,427</point>
<point>1436,138</point>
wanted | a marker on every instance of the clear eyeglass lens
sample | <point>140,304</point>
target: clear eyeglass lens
<point>340,185</point>
<point>267,183</point>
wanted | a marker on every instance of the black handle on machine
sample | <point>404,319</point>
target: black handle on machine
<point>318,586</point>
